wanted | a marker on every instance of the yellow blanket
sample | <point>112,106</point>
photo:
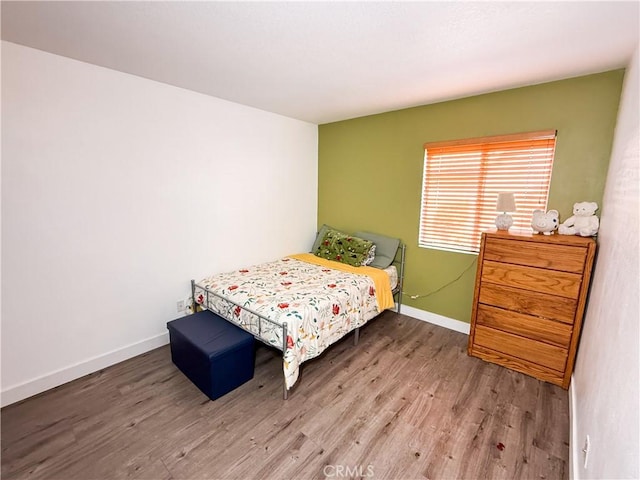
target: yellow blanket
<point>384,296</point>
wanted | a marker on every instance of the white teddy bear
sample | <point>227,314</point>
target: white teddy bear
<point>583,222</point>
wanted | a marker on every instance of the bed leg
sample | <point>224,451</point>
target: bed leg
<point>356,336</point>
<point>285,392</point>
<point>193,296</point>
<point>401,280</point>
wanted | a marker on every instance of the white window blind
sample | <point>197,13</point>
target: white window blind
<point>462,180</point>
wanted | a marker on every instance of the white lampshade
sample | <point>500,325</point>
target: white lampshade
<point>506,202</point>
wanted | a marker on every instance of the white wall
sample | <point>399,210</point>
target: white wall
<point>116,191</point>
<point>605,382</point>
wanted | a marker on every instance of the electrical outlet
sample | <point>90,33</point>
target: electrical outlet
<point>180,306</point>
<point>585,450</point>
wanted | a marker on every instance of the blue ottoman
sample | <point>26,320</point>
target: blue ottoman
<point>214,354</point>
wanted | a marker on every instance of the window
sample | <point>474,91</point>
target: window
<point>462,180</point>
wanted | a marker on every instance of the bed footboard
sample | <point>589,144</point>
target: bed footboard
<point>258,336</point>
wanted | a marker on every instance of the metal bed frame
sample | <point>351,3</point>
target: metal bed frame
<point>397,292</point>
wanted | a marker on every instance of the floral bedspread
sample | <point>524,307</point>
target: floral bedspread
<point>320,305</point>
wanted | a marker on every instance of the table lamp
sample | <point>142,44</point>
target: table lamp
<point>506,203</point>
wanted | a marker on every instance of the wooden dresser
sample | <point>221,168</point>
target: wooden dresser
<point>529,301</point>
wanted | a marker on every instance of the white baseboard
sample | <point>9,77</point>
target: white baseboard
<point>574,449</point>
<point>54,379</point>
<point>436,319</point>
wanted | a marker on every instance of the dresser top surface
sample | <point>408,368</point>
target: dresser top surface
<point>555,239</point>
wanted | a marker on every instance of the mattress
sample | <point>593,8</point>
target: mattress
<point>392,272</point>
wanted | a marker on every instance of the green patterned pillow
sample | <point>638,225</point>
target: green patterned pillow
<point>341,247</point>
<point>320,236</point>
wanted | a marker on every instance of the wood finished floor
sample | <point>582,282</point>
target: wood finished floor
<point>405,403</point>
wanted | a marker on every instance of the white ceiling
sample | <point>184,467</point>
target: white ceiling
<point>328,61</point>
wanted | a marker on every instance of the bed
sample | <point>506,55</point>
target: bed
<point>301,304</point>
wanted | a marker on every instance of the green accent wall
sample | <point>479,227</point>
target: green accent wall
<point>370,168</point>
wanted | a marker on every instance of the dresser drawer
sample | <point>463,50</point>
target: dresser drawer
<point>535,328</point>
<point>555,257</point>
<point>519,365</point>
<point>539,353</point>
<point>553,282</point>
<point>534,303</point>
